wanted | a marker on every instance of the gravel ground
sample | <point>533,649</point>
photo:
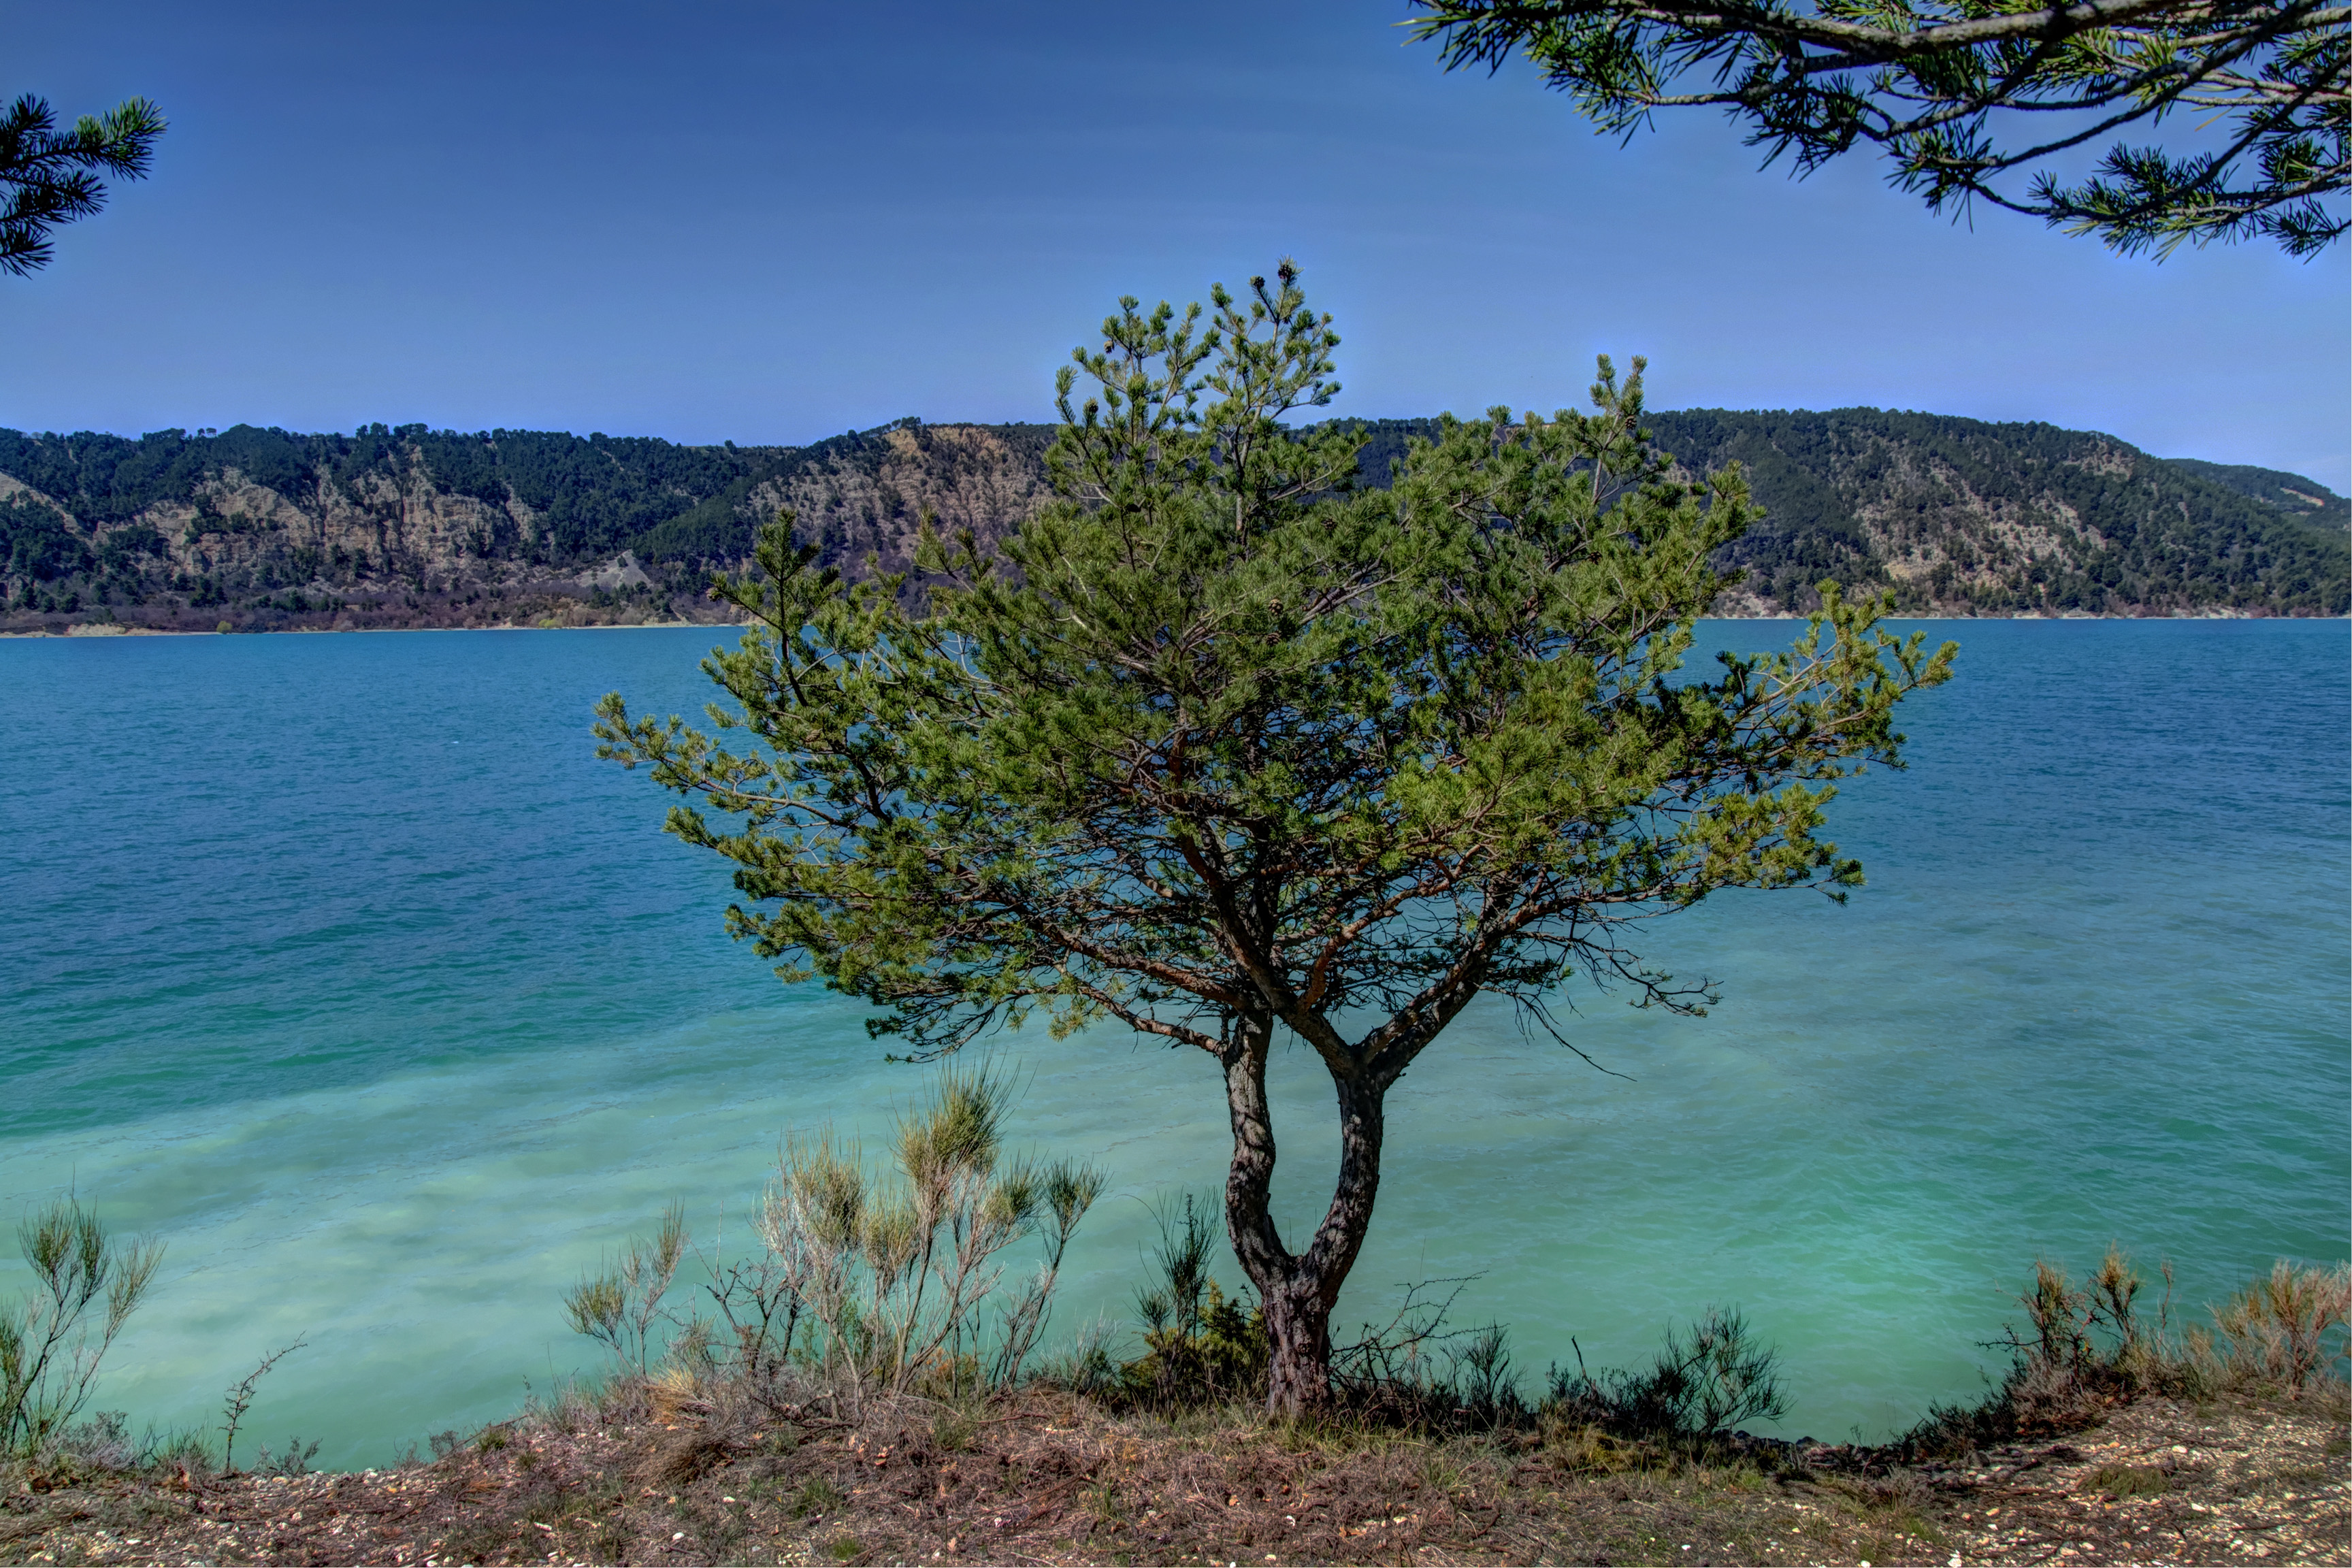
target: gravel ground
<point>2232,1480</point>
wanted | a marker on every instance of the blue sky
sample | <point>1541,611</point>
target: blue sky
<point>771,223</point>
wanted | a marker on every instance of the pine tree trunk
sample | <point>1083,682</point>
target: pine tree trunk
<point>1298,1372</point>
<point>1297,1291</point>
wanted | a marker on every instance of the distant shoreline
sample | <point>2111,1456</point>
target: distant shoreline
<point>89,630</point>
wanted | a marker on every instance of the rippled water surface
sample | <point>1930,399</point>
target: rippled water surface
<point>340,964</point>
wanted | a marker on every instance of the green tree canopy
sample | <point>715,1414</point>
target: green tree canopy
<point>1959,94</point>
<point>52,177</point>
<point>1224,747</point>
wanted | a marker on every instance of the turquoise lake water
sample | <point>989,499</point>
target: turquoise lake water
<point>341,965</point>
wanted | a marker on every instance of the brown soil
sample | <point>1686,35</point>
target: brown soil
<point>1057,1481</point>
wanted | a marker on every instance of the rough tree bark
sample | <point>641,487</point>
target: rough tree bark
<point>1298,1290</point>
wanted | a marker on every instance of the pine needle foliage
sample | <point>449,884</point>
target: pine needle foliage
<point>1221,743</point>
<point>49,176</point>
<point>1959,93</point>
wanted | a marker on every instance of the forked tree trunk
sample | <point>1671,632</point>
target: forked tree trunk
<point>1298,1290</point>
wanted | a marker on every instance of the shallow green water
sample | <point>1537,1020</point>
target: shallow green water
<point>340,964</point>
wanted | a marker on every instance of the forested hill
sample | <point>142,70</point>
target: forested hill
<point>2290,493</point>
<point>1957,517</point>
<point>409,526</point>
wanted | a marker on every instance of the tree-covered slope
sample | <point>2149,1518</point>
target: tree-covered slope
<point>1961,517</point>
<point>2290,493</point>
<point>408,525</point>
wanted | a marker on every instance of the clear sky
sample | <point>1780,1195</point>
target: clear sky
<point>771,223</point>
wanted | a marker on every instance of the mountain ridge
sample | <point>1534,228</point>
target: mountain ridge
<point>410,526</point>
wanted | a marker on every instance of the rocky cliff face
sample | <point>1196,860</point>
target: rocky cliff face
<point>392,549</point>
<point>966,476</point>
<point>383,527</point>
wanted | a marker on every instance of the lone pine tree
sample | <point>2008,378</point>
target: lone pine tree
<point>1223,746</point>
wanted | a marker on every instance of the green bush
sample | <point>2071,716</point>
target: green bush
<point>1708,1382</point>
<point>2128,1480</point>
<point>1199,1346</point>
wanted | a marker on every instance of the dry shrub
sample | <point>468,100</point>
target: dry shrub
<point>873,1282</point>
<point>1585,1448</point>
<point>684,1456</point>
<point>2088,1350</point>
<point>2285,1329</point>
<point>573,1409</point>
<point>620,1306</point>
<point>85,1283</point>
<point>898,1269</point>
<point>676,1395</point>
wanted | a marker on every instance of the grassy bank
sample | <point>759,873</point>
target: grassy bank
<point>2111,1438</point>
